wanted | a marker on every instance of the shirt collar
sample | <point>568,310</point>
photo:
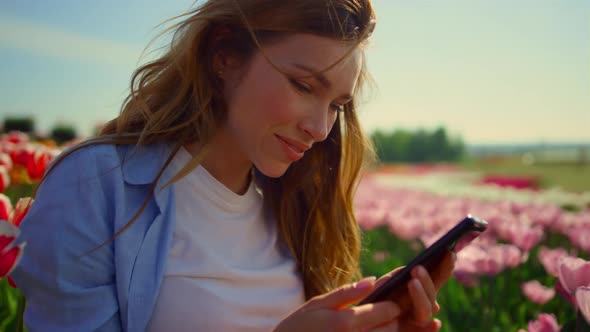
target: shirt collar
<point>142,163</point>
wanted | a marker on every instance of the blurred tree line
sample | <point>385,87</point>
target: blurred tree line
<point>396,146</point>
<point>60,133</point>
<point>417,146</point>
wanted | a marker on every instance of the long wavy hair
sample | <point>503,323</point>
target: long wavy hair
<point>177,99</point>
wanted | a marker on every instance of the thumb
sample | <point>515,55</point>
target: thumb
<point>343,296</point>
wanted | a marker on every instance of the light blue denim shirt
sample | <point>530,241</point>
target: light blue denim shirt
<point>84,201</point>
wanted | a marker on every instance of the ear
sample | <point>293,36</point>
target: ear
<point>223,59</point>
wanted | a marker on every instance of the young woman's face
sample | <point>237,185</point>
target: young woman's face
<point>274,118</point>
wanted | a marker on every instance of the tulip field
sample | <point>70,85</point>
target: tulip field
<point>530,271</point>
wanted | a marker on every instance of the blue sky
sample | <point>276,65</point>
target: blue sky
<point>490,71</point>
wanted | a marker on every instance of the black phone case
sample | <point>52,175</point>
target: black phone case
<point>429,258</point>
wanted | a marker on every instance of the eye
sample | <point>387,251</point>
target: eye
<point>300,86</point>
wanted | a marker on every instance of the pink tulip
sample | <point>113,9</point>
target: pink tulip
<point>10,253</point>
<point>559,289</point>
<point>545,323</point>
<point>527,238</point>
<point>380,256</point>
<point>537,293</point>
<point>583,301</point>
<point>549,258</point>
<point>507,255</point>
<point>475,260</point>
<point>428,239</point>
<point>519,231</point>
<point>573,273</point>
<point>370,218</point>
<point>580,238</point>
<point>466,279</point>
<point>406,228</point>
<point>5,207</point>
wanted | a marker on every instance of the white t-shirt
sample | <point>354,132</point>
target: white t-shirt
<point>225,271</point>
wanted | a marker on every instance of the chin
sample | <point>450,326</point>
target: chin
<point>274,170</point>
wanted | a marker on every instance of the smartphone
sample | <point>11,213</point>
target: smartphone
<point>454,240</point>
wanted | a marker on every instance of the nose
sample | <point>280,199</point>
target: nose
<point>318,124</point>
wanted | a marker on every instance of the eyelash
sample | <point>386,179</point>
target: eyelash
<point>307,90</point>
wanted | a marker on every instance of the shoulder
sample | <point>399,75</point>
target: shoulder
<point>134,164</point>
<point>81,164</point>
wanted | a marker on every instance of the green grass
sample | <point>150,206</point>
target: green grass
<point>569,176</point>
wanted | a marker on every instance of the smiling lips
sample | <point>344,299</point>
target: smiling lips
<point>294,149</point>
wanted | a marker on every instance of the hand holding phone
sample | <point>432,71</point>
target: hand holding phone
<point>396,288</point>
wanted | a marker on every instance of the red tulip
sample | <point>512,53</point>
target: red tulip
<point>583,301</point>
<point>537,293</point>
<point>5,207</point>
<point>16,137</point>
<point>21,209</point>
<point>22,154</point>
<point>10,253</point>
<point>40,161</point>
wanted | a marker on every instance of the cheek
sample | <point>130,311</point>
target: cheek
<point>258,110</point>
<point>283,106</point>
<point>271,105</point>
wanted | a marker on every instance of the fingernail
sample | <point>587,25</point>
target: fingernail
<point>364,283</point>
<point>422,272</point>
<point>424,324</point>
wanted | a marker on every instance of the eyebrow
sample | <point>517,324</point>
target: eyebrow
<point>321,78</point>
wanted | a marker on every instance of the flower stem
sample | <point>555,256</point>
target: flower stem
<point>20,326</point>
<point>581,323</point>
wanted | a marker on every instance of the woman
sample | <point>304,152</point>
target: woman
<point>221,197</point>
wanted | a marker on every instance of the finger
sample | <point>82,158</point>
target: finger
<point>373,314</point>
<point>432,326</point>
<point>436,308</point>
<point>392,326</point>
<point>420,273</point>
<point>422,305</point>
<point>386,277</point>
<point>443,271</point>
<point>343,296</point>
<point>408,325</point>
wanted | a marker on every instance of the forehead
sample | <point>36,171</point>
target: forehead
<point>318,53</point>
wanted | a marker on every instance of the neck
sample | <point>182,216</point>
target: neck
<point>225,162</point>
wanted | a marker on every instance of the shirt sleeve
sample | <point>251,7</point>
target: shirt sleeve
<point>67,288</point>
